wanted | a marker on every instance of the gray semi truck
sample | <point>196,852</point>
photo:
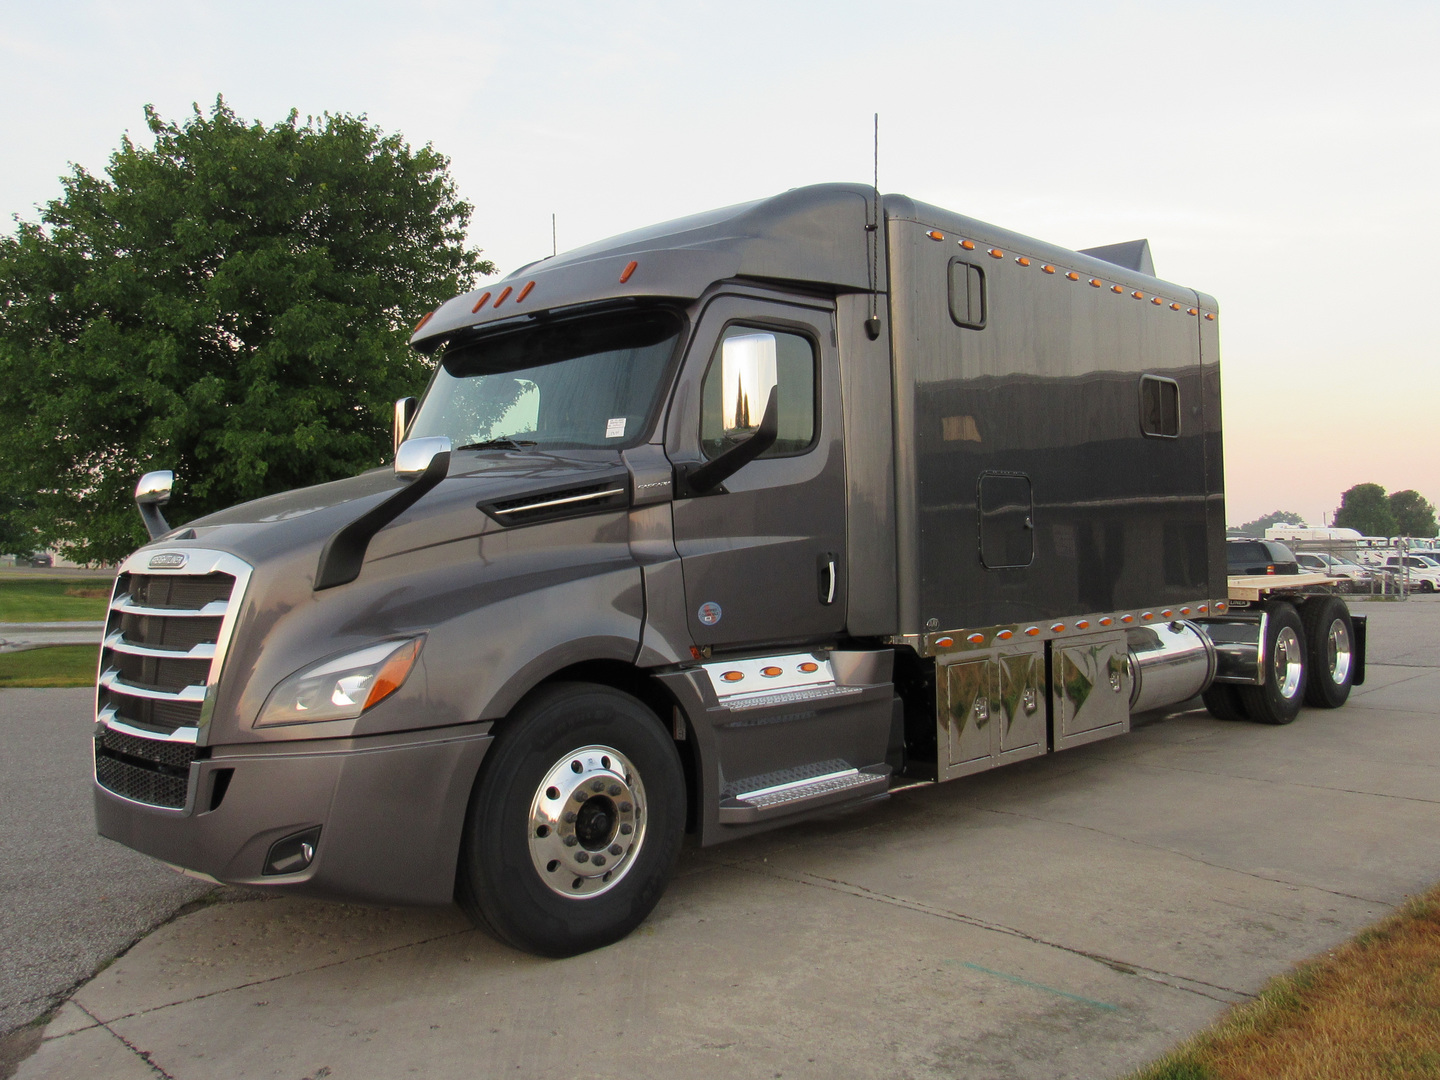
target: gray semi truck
<point>709,528</point>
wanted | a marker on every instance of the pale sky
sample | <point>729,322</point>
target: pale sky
<point>1281,156</point>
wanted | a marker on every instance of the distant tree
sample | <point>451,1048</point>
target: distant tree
<point>1414,515</point>
<point>1366,509</point>
<point>233,303</point>
<point>1257,527</point>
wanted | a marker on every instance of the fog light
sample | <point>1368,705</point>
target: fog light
<point>292,854</point>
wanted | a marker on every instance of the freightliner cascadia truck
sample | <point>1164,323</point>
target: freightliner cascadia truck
<point>740,519</point>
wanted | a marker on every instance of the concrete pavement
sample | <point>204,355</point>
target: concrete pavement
<point>1072,916</point>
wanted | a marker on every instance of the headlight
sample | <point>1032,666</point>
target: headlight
<point>342,688</point>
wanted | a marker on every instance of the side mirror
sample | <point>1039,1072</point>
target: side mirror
<point>747,377</point>
<point>404,413</point>
<point>151,493</point>
<point>413,457</point>
<point>698,479</point>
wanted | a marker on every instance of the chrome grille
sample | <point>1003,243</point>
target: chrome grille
<point>160,662</point>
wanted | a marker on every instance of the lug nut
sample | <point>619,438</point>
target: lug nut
<point>626,829</point>
<point>614,789</point>
<point>582,856</point>
<point>569,817</point>
<point>615,849</point>
<point>625,808</point>
<point>599,860</point>
<point>570,840</point>
<point>597,785</point>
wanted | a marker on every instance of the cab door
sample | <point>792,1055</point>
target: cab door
<point>763,556</point>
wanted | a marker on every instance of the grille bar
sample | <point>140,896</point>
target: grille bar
<point>110,680</point>
<point>127,606</point>
<point>116,642</point>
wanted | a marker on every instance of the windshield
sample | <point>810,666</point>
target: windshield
<point>572,384</point>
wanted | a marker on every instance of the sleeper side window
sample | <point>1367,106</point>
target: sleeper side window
<point>969,306</point>
<point>1007,525</point>
<point>1159,407</point>
<point>749,361</point>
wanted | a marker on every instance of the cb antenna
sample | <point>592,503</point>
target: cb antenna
<point>554,244</point>
<point>872,324</point>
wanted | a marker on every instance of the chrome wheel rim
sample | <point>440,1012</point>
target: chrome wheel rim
<point>1337,652</point>
<point>1289,664</point>
<point>587,822</point>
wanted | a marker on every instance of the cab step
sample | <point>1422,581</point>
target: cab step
<point>847,785</point>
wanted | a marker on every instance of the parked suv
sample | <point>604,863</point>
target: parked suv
<point>1249,558</point>
<point>1424,573</point>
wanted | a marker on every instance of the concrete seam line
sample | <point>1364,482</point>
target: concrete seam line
<point>1123,967</point>
<point>1294,784</point>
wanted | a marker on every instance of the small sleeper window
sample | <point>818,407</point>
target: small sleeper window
<point>1159,407</point>
<point>968,304</point>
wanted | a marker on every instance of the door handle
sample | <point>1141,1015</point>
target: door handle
<point>827,567</point>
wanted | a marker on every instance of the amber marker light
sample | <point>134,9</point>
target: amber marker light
<point>1004,635</point>
<point>1174,307</point>
<point>1220,605</point>
<point>503,294</point>
<point>629,269</point>
<point>1047,269</point>
<point>733,676</point>
<point>996,253</point>
<point>968,245</point>
<point>1031,631</point>
<point>1184,611</point>
<point>809,667</point>
<point>1138,295</point>
<point>975,639</point>
<point>1166,613</point>
<point>1192,311</point>
<point>1106,621</point>
<point>1204,608</point>
<point>935,234</point>
<point>484,299</point>
<point>1156,301</point>
<point>944,642</point>
<point>1057,628</point>
<point>1116,289</point>
<point>1022,260</point>
<point>1127,618</point>
<point>1083,624</point>
<point>1148,615</point>
<point>772,672</point>
<point>1095,282</point>
<point>1209,317</point>
<point>423,320</point>
<point>390,677</point>
<point>1072,276</point>
<point>525,291</point>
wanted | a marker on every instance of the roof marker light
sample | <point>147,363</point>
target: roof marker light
<point>1209,316</point>
<point>1116,289</point>
<point>1156,300</point>
<point>1072,276</point>
<point>1095,282</point>
<point>944,642</point>
<point>996,253</point>
<point>935,234</point>
<point>503,294</point>
<point>629,269</point>
<point>1138,295</point>
<point>968,245</point>
<point>484,299</point>
<point>1174,307</point>
<point>1022,260</point>
<point>525,291</point>
<point>1047,269</point>
<point>1192,311</point>
<point>423,320</point>
<point>975,639</point>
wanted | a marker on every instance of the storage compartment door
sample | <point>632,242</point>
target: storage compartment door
<point>1091,690</point>
<point>969,688</point>
<point>1021,720</point>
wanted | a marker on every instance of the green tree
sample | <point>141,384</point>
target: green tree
<point>1257,527</point>
<point>1414,514</point>
<point>232,303</point>
<point>1366,509</point>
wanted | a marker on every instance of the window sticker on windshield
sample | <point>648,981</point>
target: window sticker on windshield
<point>615,427</point>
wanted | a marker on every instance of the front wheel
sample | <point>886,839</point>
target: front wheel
<point>575,822</point>
<point>1278,700</point>
<point>1330,649</point>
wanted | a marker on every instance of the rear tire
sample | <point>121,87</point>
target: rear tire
<point>1278,701</point>
<point>575,822</point>
<point>1330,652</point>
<point>1223,701</point>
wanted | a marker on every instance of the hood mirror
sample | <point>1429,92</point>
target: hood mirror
<point>151,493</point>
<point>405,409</point>
<point>413,457</point>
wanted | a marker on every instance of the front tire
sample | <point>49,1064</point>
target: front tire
<point>1330,644</point>
<point>575,822</point>
<point>1278,701</point>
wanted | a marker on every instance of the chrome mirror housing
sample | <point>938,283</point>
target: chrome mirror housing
<point>151,493</point>
<point>748,374</point>
<point>404,413</point>
<point>414,456</point>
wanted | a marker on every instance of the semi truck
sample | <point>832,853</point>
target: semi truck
<point>707,529</point>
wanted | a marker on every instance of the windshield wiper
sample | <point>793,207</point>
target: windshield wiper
<point>498,444</point>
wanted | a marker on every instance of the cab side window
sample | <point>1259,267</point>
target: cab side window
<point>748,362</point>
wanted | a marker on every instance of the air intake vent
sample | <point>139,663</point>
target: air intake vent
<point>606,495</point>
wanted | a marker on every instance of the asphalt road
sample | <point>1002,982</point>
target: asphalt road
<point>1072,916</point>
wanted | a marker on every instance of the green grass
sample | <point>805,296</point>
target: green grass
<point>53,599</point>
<point>52,665</point>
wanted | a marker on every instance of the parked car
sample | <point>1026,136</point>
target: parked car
<point>1250,558</point>
<point>1424,572</point>
<point>1356,576</point>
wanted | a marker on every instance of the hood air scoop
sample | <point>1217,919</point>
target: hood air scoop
<point>550,504</point>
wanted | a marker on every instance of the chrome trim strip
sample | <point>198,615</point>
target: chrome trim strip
<point>125,606</point>
<point>561,502</point>
<point>110,680</point>
<point>939,643</point>
<point>116,643</point>
<point>180,735</point>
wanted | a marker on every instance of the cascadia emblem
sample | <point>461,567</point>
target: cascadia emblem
<point>168,560</point>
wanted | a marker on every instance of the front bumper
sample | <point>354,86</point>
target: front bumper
<point>390,809</point>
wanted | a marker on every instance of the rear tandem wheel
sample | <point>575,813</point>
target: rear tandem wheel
<point>1278,700</point>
